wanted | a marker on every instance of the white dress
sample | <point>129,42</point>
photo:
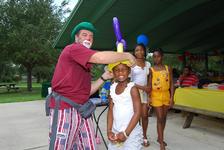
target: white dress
<point>122,113</point>
<point>139,76</point>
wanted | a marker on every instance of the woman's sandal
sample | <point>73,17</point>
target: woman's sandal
<point>163,142</point>
<point>145,143</point>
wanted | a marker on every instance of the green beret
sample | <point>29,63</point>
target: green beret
<point>82,26</point>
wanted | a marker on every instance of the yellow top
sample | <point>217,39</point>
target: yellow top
<point>160,79</point>
<point>160,94</point>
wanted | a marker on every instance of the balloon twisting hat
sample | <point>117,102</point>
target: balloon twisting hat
<point>82,26</point>
<point>111,66</point>
<point>119,50</point>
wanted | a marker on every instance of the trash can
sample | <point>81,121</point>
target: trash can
<point>44,90</point>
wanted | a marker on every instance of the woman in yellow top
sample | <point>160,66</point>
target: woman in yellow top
<point>162,90</point>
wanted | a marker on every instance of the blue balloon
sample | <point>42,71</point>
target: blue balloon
<point>143,39</point>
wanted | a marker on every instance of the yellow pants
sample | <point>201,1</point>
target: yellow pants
<point>160,98</point>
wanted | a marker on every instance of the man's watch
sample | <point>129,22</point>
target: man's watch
<point>103,78</point>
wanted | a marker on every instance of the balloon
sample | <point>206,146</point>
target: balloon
<point>186,53</point>
<point>117,29</point>
<point>117,32</point>
<point>143,39</point>
<point>120,47</point>
<point>123,42</point>
<point>191,57</point>
<point>181,58</point>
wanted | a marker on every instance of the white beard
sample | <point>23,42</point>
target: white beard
<point>87,43</point>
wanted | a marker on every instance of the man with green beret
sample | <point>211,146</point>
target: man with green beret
<point>72,81</point>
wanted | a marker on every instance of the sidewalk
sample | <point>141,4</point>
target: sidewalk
<point>24,126</point>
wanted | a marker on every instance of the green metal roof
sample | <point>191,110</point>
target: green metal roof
<point>174,25</point>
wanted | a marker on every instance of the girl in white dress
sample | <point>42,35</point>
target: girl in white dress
<point>123,129</point>
<point>140,75</point>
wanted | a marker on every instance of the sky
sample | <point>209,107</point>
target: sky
<point>71,4</point>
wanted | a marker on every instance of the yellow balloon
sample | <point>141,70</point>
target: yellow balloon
<point>120,48</point>
<point>111,66</point>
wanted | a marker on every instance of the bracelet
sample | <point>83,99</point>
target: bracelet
<point>103,78</point>
<point>125,134</point>
<point>109,131</point>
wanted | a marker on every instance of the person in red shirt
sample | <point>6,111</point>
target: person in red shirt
<point>72,80</point>
<point>188,78</point>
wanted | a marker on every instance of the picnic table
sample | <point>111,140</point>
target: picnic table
<point>9,86</point>
<point>199,101</point>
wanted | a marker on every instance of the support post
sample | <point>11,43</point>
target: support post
<point>188,120</point>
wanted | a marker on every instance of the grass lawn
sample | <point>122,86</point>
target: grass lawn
<point>21,95</point>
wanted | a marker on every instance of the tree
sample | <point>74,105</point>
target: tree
<point>3,33</point>
<point>31,27</point>
<point>43,73</point>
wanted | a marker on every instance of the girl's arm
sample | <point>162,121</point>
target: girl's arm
<point>149,79</point>
<point>135,118</point>
<point>150,84</point>
<point>110,115</point>
<point>171,87</point>
<point>110,134</point>
<point>144,88</point>
<point>137,110</point>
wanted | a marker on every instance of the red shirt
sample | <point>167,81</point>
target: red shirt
<point>190,80</point>
<point>72,78</point>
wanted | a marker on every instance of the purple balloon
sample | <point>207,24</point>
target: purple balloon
<point>124,44</point>
<point>117,29</point>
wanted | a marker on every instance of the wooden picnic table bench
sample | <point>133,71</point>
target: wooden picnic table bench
<point>9,86</point>
<point>199,101</point>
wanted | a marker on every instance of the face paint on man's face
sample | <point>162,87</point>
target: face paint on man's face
<point>87,43</point>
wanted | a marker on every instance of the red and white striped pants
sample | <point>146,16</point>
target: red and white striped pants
<point>73,132</point>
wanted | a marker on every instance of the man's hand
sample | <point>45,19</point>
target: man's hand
<point>131,59</point>
<point>107,75</point>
